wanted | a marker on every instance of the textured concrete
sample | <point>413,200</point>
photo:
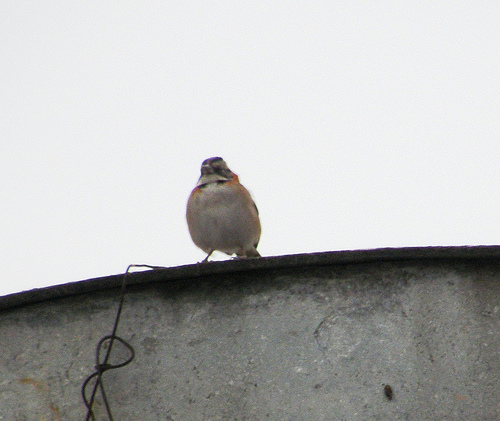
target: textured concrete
<point>306,337</point>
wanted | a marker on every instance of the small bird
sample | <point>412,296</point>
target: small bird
<point>221,215</point>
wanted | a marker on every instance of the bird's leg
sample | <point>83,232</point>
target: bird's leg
<point>240,254</point>
<point>205,260</point>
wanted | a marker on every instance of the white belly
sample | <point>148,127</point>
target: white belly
<point>220,219</point>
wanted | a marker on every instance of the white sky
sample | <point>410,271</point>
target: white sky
<point>355,124</point>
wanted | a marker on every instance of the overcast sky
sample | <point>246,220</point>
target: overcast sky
<point>354,124</point>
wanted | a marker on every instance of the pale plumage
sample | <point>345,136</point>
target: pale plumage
<point>221,214</point>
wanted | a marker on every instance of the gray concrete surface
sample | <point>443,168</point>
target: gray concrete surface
<point>305,337</point>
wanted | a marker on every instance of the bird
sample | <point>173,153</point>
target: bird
<point>221,214</point>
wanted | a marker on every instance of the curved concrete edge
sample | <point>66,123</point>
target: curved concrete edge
<point>197,270</point>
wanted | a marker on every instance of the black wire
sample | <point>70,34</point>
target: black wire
<point>101,368</point>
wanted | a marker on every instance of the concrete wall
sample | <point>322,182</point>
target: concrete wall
<point>306,337</point>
